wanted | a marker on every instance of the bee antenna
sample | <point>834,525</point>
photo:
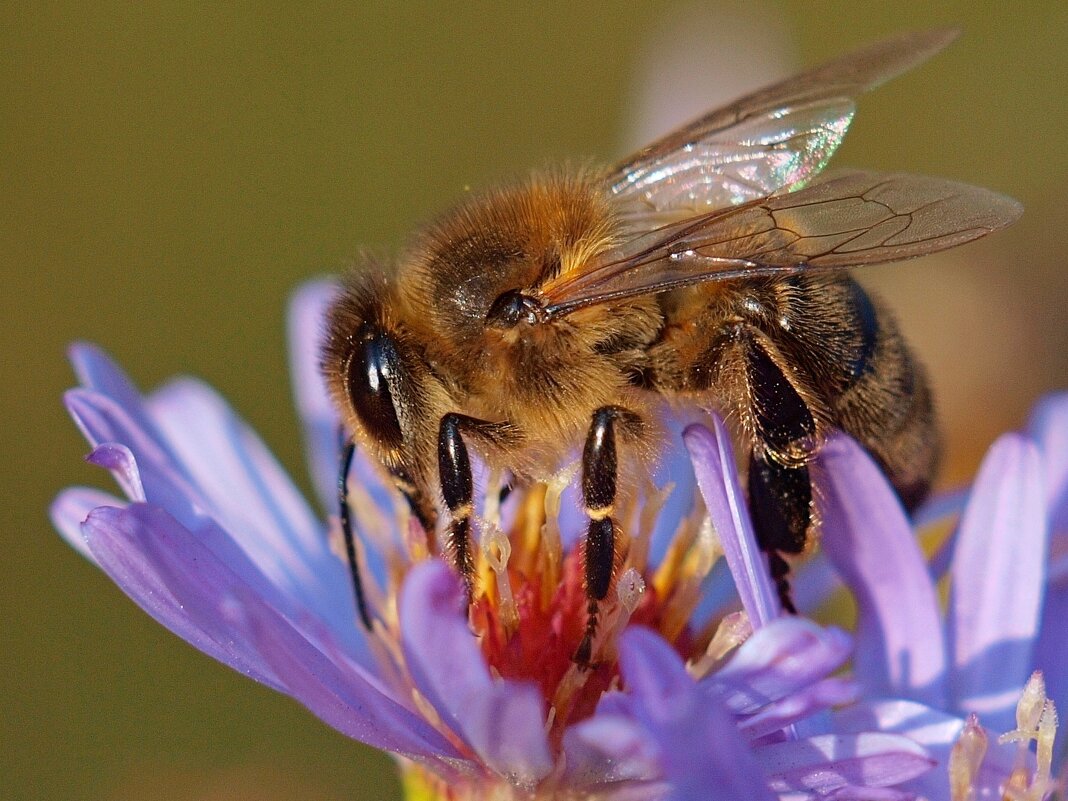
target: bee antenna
<point>348,451</point>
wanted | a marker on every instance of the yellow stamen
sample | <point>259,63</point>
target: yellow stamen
<point>551,551</point>
<point>573,681</point>
<point>667,573</point>
<point>1036,719</point>
<point>614,618</point>
<point>418,542</point>
<point>1033,699</point>
<point>1047,733</point>
<point>550,719</point>
<point>638,555</point>
<point>965,760</point>
<point>733,630</point>
<point>528,531</point>
<point>497,549</point>
<point>629,590</point>
<point>491,504</point>
<point>680,585</point>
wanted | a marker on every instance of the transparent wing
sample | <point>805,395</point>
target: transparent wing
<point>773,140</point>
<point>751,160</point>
<point>842,220</point>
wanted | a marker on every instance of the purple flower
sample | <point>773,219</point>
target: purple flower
<point>994,660</point>
<point>215,543</point>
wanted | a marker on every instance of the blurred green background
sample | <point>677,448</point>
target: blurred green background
<point>171,172</point>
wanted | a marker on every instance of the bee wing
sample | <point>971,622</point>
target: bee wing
<point>844,219</point>
<point>773,140</point>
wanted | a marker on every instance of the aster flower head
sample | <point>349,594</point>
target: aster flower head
<point>684,700</point>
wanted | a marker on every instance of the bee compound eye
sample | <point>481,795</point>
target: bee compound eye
<point>375,383</point>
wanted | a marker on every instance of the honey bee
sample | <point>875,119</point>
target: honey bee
<point>707,269</point>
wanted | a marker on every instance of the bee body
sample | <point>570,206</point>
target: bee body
<point>556,316</point>
<point>840,351</point>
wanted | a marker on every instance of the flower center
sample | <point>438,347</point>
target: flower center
<point>530,609</point>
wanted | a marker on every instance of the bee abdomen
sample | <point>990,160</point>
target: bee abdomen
<point>867,329</point>
<point>886,402</point>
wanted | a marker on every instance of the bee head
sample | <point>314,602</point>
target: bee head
<point>476,273</point>
<point>371,365</point>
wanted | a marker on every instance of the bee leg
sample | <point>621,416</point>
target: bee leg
<point>348,450</point>
<point>780,499</point>
<point>599,465</point>
<point>780,488</point>
<point>457,488</point>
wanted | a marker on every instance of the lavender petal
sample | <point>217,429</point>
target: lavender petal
<point>152,556</point>
<point>998,582</point>
<point>899,644</point>
<point>97,371</point>
<point>1051,649</point>
<point>199,460</point>
<point>931,728</point>
<point>119,460</point>
<point>305,329</point>
<point>113,537</point>
<point>615,703</point>
<point>782,658</point>
<point>718,596</point>
<point>814,582</point>
<point>717,478</point>
<point>502,721</point>
<point>69,510</point>
<point>936,731</point>
<point>829,762</point>
<point>852,793</point>
<point>103,421</point>
<point>674,467</point>
<point>940,507</point>
<point>777,715</point>
<point>608,749</point>
<point>941,560</point>
<point>701,754</point>
<point>1048,427</point>
<point>241,480</point>
<point>356,709</point>
<point>572,519</point>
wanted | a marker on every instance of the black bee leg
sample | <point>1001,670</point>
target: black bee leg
<point>348,450</point>
<point>599,465</point>
<point>457,486</point>
<point>780,499</point>
<point>457,489</point>
<point>780,489</point>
